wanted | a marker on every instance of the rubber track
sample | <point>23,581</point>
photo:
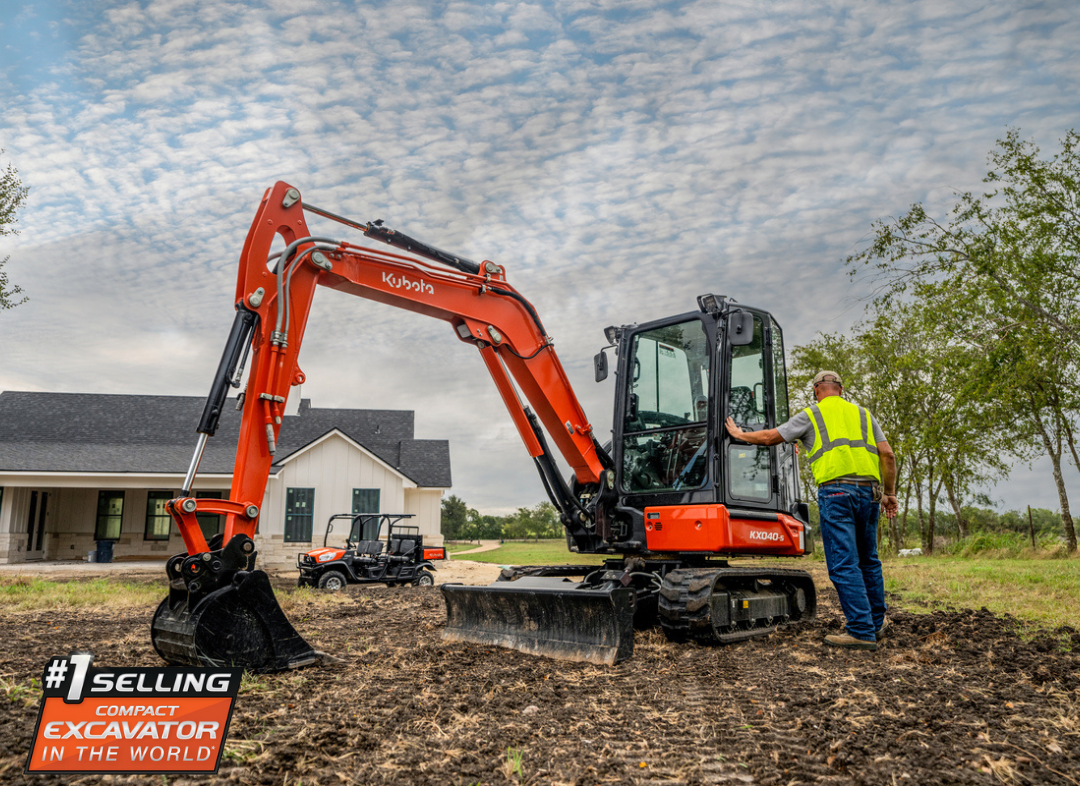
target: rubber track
<point>685,611</point>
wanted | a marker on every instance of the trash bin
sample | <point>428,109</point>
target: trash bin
<point>91,556</point>
<point>104,550</point>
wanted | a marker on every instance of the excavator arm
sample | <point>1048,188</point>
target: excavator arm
<point>481,307</point>
<point>274,295</point>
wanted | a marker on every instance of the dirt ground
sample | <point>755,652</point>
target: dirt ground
<point>955,697</point>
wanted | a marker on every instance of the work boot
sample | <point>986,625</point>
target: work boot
<point>849,642</point>
<point>882,632</point>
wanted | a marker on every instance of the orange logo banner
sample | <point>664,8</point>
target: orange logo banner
<point>131,720</point>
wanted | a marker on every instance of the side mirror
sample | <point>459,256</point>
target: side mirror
<point>740,328</point>
<point>600,366</point>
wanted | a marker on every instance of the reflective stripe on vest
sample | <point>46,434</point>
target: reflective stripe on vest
<point>843,441</point>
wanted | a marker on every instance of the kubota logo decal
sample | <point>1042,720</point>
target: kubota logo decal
<point>131,720</point>
<point>401,282</point>
<point>760,534</point>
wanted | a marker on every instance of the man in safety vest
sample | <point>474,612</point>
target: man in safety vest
<point>855,470</point>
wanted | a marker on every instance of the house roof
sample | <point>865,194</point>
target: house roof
<point>93,432</point>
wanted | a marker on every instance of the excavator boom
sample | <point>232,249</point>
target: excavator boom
<point>221,610</point>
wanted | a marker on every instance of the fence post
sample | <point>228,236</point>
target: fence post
<point>1031,526</point>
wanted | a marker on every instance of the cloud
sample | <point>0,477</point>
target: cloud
<point>618,158</point>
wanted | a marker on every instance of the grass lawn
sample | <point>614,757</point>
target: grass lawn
<point>1044,591</point>
<point>21,593</point>
<point>534,552</point>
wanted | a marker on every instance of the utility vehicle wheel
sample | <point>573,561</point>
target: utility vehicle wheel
<point>332,580</point>
<point>425,579</point>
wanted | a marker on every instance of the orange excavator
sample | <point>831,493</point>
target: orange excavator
<point>668,501</point>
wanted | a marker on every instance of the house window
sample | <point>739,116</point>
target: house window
<point>365,501</point>
<point>209,523</point>
<point>110,513</point>
<point>158,521</point>
<point>299,510</point>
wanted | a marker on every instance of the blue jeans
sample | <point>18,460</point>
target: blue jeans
<point>849,519</point>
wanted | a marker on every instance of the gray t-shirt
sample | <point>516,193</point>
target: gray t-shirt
<point>801,428</point>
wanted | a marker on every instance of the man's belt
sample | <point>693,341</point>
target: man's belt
<point>839,482</point>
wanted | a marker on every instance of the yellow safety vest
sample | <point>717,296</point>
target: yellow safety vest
<point>843,441</point>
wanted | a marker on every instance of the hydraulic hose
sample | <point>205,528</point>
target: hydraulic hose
<point>293,265</point>
<point>284,261</point>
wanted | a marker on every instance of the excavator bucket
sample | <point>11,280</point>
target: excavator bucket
<point>553,617</point>
<point>236,624</point>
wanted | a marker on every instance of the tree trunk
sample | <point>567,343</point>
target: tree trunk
<point>922,521</point>
<point>902,534</point>
<point>931,502</point>
<point>954,502</point>
<point>1063,497</point>
<point>934,494</point>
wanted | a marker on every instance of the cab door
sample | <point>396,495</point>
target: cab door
<point>756,476</point>
<point>786,460</point>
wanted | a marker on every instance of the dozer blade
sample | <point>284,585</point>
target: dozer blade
<point>239,624</point>
<point>544,616</point>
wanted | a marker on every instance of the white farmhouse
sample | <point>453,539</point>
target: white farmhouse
<point>76,468</point>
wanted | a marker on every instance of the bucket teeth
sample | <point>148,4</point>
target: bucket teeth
<point>544,616</point>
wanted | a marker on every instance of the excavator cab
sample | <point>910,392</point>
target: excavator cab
<point>681,498</point>
<point>678,380</point>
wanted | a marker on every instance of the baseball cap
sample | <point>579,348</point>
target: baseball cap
<point>827,376</point>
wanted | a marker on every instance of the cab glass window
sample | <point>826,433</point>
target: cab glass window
<point>780,397</point>
<point>748,471</point>
<point>748,465</point>
<point>748,380</point>
<point>665,430</point>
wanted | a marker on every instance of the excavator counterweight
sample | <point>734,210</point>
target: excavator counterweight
<point>667,502</point>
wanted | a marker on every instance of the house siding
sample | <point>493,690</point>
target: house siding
<point>426,505</point>
<point>334,467</point>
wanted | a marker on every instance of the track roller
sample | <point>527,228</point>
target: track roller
<point>727,605</point>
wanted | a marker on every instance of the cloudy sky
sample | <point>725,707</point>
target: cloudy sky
<point>618,158</point>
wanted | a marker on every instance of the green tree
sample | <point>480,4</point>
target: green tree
<point>518,525</point>
<point>545,521</point>
<point>1001,277</point>
<point>540,521</point>
<point>454,518</point>
<point>12,195</point>
<point>910,375</point>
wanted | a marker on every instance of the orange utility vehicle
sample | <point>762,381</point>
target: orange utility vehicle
<point>368,559</point>
<point>670,498</point>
